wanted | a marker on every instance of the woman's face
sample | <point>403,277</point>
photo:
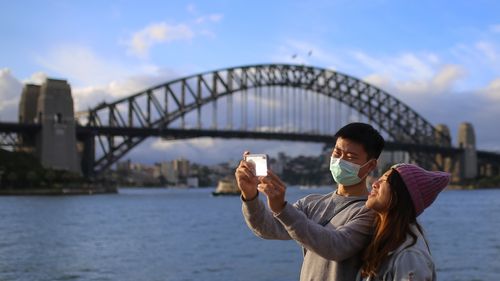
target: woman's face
<point>380,195</point>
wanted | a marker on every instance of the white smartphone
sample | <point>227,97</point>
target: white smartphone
<point>260,162</point>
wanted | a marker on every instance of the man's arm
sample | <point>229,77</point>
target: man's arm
<point>261,221</point>
<point>330,243</point>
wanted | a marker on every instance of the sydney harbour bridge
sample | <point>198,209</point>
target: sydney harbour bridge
<point>269,101</point>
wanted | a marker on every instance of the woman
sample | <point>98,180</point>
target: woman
<point>398,250</point>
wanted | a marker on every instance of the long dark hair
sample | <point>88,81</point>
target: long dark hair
<point>391,226</point>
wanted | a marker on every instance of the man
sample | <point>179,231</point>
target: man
<point>333,229</point>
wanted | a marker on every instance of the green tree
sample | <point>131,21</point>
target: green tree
<point>12,178</point>
<point>32,178</point>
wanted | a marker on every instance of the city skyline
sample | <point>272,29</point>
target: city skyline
<point>439,58</point>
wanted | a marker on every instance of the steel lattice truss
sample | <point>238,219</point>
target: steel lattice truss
<point>159,106</point>
<point>8,139</point>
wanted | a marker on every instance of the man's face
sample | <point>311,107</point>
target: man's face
<point>352,152</point>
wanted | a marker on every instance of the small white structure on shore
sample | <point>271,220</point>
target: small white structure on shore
<point>227,186</point>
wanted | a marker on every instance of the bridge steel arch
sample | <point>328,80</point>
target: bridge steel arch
<point>161,105</point>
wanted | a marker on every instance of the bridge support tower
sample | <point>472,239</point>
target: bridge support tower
<point>467,168</point>
<point>51,105</point>
<point>444,162</point>
<point>28,115</point>
<point>86,148</point>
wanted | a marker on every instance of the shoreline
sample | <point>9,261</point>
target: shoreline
<point>57,191</point>
<point>469,187</point>
<point>460,187</point>
<point>86,190</point>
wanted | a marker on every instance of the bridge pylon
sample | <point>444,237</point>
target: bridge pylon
<point>468,168</point>
<point>51,105</point>
<point>444,162</point>
<point>28,105</point>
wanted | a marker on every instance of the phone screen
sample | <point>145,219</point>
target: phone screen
<point>260,161</point>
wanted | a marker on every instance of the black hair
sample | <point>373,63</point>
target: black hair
<point>364,134</point>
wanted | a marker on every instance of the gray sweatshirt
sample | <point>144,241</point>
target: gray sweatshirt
<point>331,252</point>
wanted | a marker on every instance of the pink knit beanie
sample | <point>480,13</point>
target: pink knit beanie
<point>423,186</point>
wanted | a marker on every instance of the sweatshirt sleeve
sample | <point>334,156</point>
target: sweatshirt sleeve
<point>330,243</point>
<point>262,222</point>
<point>414,266</point>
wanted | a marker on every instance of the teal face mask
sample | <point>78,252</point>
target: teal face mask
<point>345,172</point>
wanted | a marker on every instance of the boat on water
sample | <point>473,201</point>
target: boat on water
<point>227,186</point>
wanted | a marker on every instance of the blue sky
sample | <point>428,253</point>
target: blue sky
<point>440,57</point>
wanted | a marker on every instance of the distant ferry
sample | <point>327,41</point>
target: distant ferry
<point>227,186</point>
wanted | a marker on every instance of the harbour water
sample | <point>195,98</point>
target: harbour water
<point>186,234</point>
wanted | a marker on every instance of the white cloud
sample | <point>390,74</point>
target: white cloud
<point>142,41</point>
<point>406,66</point>
<point>487,49</point>
<point>208,33</point>
<point>90,96</point>
<point>81,65</point>
<point>492,91</point>
<point>495,28</point>
<point>9,85</point>
<point>444,79</point>
<point>191,8</point>
<point>379,80</point>
<point>480,59</point>
<point>37,78</point>
<point>10,93</point>
<point>417,67</point>
<point>441,81</point>
<point>426,95</point>
<point>209,18</point>
<point>410,74</point>
<point>215,17</point>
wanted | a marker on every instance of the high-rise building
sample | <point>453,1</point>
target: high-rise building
<point>168,172</point>
<point>181,166</point>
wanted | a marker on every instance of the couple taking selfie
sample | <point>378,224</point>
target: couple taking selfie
<point>350,233</point>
